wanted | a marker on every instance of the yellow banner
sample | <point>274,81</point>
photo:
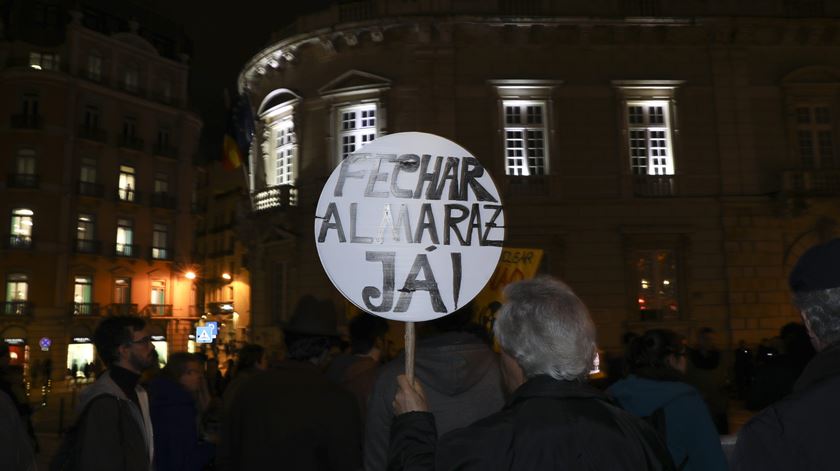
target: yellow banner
<point>514,265</point>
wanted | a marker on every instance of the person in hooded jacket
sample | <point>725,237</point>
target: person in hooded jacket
<point>174,413</point>
<point>461,375</point>
<point>655,388</point>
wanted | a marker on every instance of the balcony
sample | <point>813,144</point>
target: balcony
<point>95,190</point>
<point>275,197</point>
<point>131,142</point>
<point>22,180</point>
<point>814,182</point>
<point>93,134</point>
<point>84,309</point>
<point>356,11</point>
<point>17,308</point>
<point>87,246</point>
<point>222,307</point>
<point>128,195</point>
<point>27,121</point>
<point>157,310</point>
<point>164,150</point>
<point>654,186</point>
<point>19,241</point>
<point>126,250</point>
<point>122,309</point>
<point>161,253</point>
<point>163,200</point>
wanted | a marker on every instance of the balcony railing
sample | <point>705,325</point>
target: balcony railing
<point>164,150</point>
<point>822,182</point>
<point>22,180</point>
<point>131,142</point>
<point>84,309</point>
<point>222,307</point>
<point>163,200</point>
<point>356,11</point>
<point>275,197</point>
<point>122,309</point>
<point>18,241</point>
<point>158,310</point>
<point>128,195</point>
<point>27,121</point>
<point>17,308</point>
<point>654,185</point>
<point>126,250</point>
<point>87,246</point>
<point>93,134</point>
<point>90,189</point>
<point>161,253</point>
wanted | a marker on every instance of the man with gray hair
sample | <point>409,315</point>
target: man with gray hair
<point>800,431</point>
<point>552,420</point>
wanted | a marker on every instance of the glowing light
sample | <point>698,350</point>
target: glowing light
<point>642,300</point>
<point>35,66</point>
<point>666,282</point>
<point>190,275</point>
<point>226,276</point>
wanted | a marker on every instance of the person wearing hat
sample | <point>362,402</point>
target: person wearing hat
<point>290,416</point>
<point>800,431</point>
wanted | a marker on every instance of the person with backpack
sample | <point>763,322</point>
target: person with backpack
<point>553,418</point>
<point>656,391</point>
<point>113,429</point>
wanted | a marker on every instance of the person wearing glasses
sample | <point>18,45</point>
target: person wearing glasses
<point>114,429</point>
<point>656,390</point>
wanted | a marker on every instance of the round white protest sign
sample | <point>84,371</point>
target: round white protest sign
<point>409,227</point>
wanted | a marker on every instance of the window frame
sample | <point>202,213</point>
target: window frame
<point>16,278</point>
<point>126,248</point>
<point>160,252</point>
<point>362,133</point>
<point>814,128</point>
<point>125,190</point>
<point>652,239</point>
<point>525,127</point>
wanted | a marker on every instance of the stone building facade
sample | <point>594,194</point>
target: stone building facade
<point>672,158</point>
<point>97,144</point>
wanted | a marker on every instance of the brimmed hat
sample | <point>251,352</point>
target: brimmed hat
<point>817,269</point>
<point>313,317</point>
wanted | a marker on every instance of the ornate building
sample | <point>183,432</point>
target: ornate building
<point>97,154</point>
<point>672,158</point>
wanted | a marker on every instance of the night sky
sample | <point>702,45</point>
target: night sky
<point>225,36</point>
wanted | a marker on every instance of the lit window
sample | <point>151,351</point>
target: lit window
<point>525,124</point>
<point>25,162</point>
<point>356,127</point>
<point>126,185</point>
<point>94,67</point>
<point>815,136</point>
<point>17,294</point>
<point>284,152</point>
<point>43,61</point>
<point>122,290</point>
<point>82,289</point>
<point>158,294</point>
<point>84,227</point>
<point>656,284</point>
<point>649,133</point>
<point>160,242</point>
<point>125,238</point>
<point>21,227</point>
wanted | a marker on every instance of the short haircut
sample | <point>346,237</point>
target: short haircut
<point>547,329</point>
<point>114,332</point>
<point>821,308</point>
<point>176,364</point>
<point>651,350</point>
<point>364,330</point>
<point>249,356</point>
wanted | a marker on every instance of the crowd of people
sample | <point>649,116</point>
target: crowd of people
<point>318,406</point>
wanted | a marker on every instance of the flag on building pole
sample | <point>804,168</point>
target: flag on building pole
<point>239,131</point>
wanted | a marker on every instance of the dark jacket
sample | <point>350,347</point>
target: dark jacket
<point>460,374</point>
<point>800,431</point>
<point>689,427</point>
<point>175,420</point>
<point>547,424</point>
<point>115,434</point>
<point>357,375</point>
<point>291,417</point>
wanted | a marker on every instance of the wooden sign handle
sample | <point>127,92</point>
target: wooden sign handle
<point>409,351</point>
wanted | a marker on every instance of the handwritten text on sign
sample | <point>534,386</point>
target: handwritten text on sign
<point>410,227</point>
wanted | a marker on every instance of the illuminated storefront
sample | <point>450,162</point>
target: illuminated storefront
<point>80,357</point>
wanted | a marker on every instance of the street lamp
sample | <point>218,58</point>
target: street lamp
<point>190,275</point>
<point>226,276</point>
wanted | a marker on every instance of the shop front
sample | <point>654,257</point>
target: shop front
<point>15,338</point>
<point>158,333</point>
<point>80,353</point>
